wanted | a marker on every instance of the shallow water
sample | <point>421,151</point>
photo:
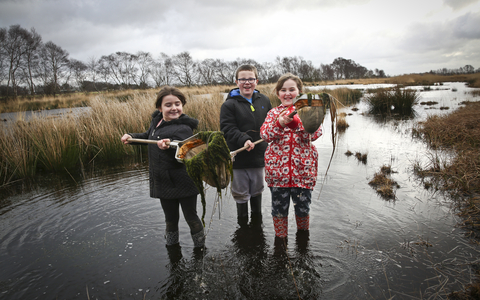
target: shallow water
<point>102,237</point>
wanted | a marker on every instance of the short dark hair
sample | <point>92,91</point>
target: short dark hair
<point>286,77</point>
<point>247,68</point>
<point>169,90</point>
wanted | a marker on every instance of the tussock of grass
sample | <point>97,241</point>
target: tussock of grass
<point>383,184</point>
<point>361,157</point>
<point>392,101</point>
<point>341,123</point>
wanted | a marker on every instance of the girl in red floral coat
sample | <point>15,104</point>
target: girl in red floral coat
<point>290,158</point>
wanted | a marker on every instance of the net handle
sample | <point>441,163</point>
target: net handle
<point>233,153</point>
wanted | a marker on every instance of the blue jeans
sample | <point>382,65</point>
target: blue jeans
<point>281,201</point>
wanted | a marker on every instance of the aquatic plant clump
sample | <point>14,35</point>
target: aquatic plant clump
<point>213,164</point>
<point>393,101</point>
<point>383,184</point>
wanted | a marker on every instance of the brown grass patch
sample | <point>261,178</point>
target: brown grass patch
<point>383,184</point>
<point>459,175</point>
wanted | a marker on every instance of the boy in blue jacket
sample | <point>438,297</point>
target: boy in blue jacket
<point>241,116</point>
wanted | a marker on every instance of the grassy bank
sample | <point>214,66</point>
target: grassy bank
<point>458,173</point>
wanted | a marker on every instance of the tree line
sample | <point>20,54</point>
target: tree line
<point>28,66</point>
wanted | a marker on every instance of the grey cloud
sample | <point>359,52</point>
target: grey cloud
<point>467,26</point>
<point>443,35</point>
<point>459,4</point>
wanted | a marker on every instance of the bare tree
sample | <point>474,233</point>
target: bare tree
<point>93,70</point>
<point>268,72</point>
<point>3,54</point>
<point>207,72</point>
<point>110,68</point>
<point>327,72</point>
<point>14,48</point>
<point>145,63</point>
<point>79,72</point>
<point>128,68</point>
<point>185,68</point>
<point>225,71</point>
<point>33,45</point>
<point>121,67</point>
<point>56,59</point>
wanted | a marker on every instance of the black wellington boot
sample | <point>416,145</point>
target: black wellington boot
<point>256,208</point>
<point>242,214</point>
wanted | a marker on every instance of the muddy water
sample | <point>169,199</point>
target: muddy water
<point>102,237</point>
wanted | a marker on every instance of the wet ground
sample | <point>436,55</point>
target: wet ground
<point>102,237</point>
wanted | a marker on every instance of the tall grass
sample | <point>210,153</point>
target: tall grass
<point>346,96</point>
<point>460,174</point>
<point>63,143</point>
<point>392,101</point>
<point>206,109</point>
<point>72,140</point>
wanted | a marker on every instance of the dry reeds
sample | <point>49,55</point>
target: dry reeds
<point>345,96</point>
<point>73,140</point>
<point>427,79</point>
<point>342,124</point>
<point>62,143</point>
<point>459,173</point>
<point>383,184</point>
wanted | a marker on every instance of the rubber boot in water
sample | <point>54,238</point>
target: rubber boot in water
<point>171,237</point>
<point>303,223</point>
<point>281,226</point>
<point>256,208</point>
<point>242,214</point>
<point>198,239</point>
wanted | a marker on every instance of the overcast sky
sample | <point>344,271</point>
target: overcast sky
<point>398,37</point>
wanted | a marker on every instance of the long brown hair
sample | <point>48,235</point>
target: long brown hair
<point>170,90</point>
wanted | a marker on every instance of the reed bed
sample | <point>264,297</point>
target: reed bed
<point>72,141</point>
<point>345,96</point>
<point>64,143</point>
<point>206,109</point>
<point>458,173</point>
<point>393,101</point>
<point>342,123</point>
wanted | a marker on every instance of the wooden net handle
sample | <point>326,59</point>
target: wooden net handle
<point>233,153</point>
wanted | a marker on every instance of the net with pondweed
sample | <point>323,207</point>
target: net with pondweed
<point>207,159</point>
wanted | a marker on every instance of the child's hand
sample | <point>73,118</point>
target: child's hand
<point>294,123</point>
<point>284,119</point>
<point>125,138</point>
<point>163,144</point>
<point>249,145</point>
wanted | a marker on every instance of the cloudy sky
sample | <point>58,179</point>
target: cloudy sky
<point>398,37</point>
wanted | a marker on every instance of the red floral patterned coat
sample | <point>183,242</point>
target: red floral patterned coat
<point>291,158</point>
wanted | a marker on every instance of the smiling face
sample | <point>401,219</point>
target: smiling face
<point>288,92</point>
<point>172,107</point>
<point>246,88</point>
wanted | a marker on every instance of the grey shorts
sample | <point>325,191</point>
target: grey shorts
<point>247,183</point>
